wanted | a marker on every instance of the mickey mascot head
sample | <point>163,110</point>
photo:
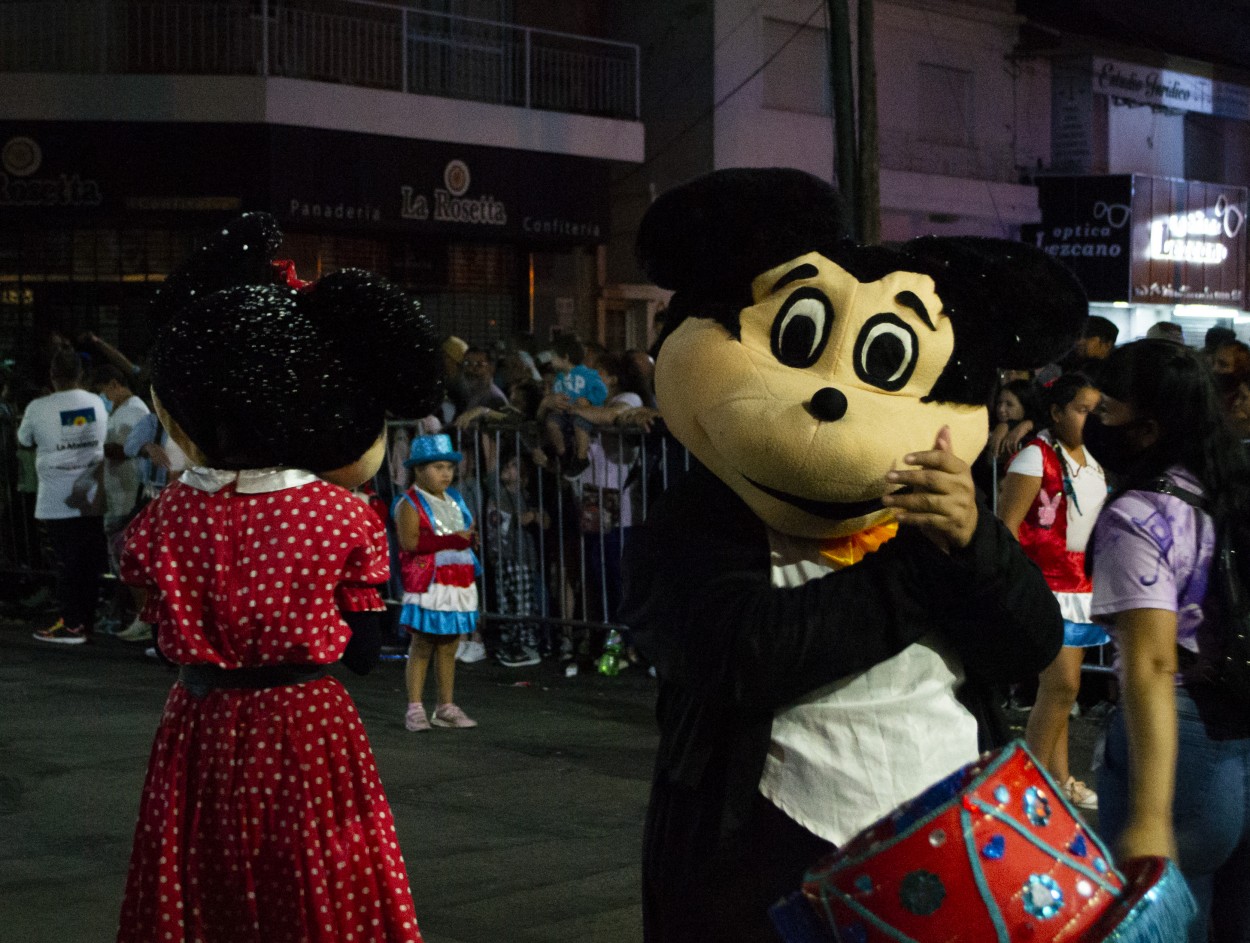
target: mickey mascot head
<point>800,366</point>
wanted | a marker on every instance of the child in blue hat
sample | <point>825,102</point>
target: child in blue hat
<point>439,572</point>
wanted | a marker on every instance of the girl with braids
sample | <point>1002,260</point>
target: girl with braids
<point>1176,779</point>
<point>262,817</point>
<point>1050,500</point>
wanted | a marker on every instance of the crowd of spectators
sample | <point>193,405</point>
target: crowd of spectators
<point>554,444</point>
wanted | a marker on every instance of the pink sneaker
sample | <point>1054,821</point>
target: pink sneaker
<point>415,720</point>
<point>449,715</point>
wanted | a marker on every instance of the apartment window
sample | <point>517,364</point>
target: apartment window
<point>944,99</point>
<point>797,78</point>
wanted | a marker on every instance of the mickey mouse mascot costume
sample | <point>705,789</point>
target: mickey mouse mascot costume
<point>263,818</point>
<point>824,597</point>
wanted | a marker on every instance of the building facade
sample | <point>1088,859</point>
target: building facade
<point>979,107</point>
<point>452,148</point>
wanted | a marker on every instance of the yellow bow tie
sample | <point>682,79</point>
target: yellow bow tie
<point>848,550</point>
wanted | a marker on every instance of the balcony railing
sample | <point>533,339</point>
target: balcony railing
<point>354,42</point>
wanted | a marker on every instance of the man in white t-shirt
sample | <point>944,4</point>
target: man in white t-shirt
<point>67,430</point>
<point>121,474</point>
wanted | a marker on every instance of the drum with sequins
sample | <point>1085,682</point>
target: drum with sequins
<point>994,853</point>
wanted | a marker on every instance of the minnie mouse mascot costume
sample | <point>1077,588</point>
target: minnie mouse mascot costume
<point>263,817</point>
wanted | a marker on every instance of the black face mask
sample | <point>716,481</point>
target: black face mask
<point>1111,445</point>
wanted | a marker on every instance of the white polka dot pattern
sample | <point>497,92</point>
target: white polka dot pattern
<point>263,819</point>
<point>243,580</point>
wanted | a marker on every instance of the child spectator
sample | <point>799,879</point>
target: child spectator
<point>439,574</point>
<point>575,385</point>
<point>1050,498</point>
<point>606,499</point>
<point>1017,409</point>
<point>514,558</point>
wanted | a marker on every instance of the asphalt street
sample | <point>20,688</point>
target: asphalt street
<point>527,828</point>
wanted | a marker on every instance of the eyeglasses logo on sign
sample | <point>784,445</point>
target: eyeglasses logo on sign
<point>1196,236</point>
<point>1089,239</point>
<point>450,204</point>
<point>21,158</point>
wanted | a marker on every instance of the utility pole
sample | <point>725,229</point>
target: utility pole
<point>868,189</point>
<point>841,90</point>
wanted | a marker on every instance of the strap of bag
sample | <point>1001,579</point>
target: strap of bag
<point>1165,485</point>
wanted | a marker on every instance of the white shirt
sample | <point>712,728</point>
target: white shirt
<point>67,429</point>
<point>1088,481</point>
<point>121,478</point>
<point>852,751</point>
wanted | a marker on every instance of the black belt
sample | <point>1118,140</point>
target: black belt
<point>200,679</point>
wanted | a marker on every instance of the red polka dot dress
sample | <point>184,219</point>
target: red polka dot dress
<point>262,818</point>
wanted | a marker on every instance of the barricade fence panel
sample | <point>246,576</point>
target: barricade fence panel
<point>550,543</point>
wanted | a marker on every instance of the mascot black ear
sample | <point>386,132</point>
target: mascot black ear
<point>240,254</point>
<point>707,239</point>
<point>260,369</point>
<point>1011,304</point>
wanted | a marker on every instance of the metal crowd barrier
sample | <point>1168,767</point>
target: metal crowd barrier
<point>576,556</point>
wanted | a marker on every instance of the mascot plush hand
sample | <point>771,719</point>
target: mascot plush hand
<point>818,663</point>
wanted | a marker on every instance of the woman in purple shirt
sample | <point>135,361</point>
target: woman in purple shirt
<point>1176,781</point>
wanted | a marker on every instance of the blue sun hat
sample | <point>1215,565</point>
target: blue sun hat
<point>432,448</point>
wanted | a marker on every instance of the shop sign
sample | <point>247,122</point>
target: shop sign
<point>21,157</point>
<point>79,169</point>
<point>1146,239</point>
<point>451,204</point>
<point>1201,236</point>
<point>1085,224</point>
<point>1189,242</point>
<point>1166,88</point>
<point>1071,119</point>
<point>305,176</point>
<point>430,187</point>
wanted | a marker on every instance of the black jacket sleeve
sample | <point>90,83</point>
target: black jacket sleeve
<point>995,606</point>
<point>699,597</point>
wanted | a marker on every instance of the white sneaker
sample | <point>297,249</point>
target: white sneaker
<point>473,652</point>
<point>137,631</point>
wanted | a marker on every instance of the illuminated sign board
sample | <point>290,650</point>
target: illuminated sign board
<point>1149,240</point>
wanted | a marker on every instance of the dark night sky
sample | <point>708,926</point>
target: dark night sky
<point>1212,30</point>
